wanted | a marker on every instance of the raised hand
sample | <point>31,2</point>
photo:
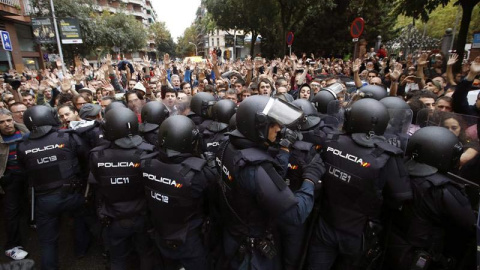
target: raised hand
<point>422,59</point>
<point>146,61</point>
<point>79,76</point>
<point>214,59</point>
<point>85,62</point>
<point>397,71</point>
<point>475,66</point>
<point>34,85</point>
<point>452,59</point>
<point>108,59</point>
<point>43,86</point>
<point>356,65</point>
<point>66,85</point>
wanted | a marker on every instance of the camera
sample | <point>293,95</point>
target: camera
<point>13,81</point>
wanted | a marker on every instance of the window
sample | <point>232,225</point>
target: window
<point>218,42</point>
<point>213,42</point>
<point>25,38</point>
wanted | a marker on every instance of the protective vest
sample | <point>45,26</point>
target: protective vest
<point>301,153</point>
<point>246,213</point>
<point>168,188</point>
<point>424,226</point>
<point>50,161</point>
<point>317,135</point>
<point>352,185</point>
<point>119,178</point>
<point>151,137</point>
<point>213,140</point>
<point>203,125</point>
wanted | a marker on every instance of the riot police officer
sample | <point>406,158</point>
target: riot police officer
<point>117,179</point>
<point>255,197</point>
<point>176,183</point>
<point>214,133</point>
<point>313,133</point>
<point>201,107</point>
<point>313,127</point>
<point>436,230</point>
<point>361,165</point>
<point>55,162</point>
<point>153,114</point>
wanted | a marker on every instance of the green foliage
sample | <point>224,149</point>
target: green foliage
<point>98,31</point>
<point>442,18</point>
<point>82,10</point>
<point>122,31</point>
<point>184,48</point>
<point>162,37</point>
<point>417,9</point>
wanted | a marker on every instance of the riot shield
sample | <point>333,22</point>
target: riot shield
<point>398,125</point>
<point>335,114</point>
<point>465,127</point>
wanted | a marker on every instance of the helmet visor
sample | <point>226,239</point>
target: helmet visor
<point>282,112</point>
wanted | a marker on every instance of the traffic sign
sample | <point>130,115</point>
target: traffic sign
<point>290,38</point>
<point>356,29</point>
<point>7,44</point>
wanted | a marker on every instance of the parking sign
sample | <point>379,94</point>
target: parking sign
<point>7,44</point>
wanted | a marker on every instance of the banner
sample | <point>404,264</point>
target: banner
<point>228,40</point>
<point>43,30</point>
<point>240,41</point>
<point>70,31</point>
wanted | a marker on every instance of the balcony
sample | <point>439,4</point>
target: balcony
<point>12,3</point>
<point>10,7</point>
<point>138,2</point>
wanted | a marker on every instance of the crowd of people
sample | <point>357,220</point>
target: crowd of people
<point>294,163</point>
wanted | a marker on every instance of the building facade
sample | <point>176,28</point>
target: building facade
<point>15,19</point>
<point>232,44</point>
<point>142,10</point>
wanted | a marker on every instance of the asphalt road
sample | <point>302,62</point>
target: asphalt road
<point>92,261</point>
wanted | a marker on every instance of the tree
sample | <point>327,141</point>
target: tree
<point>421,9</point>
<point>122,31</point>
<point>80,9</point>
<point>292,13</point>
<point>184,48</point>
<point>98,31</point>
<point>162,37</point>
<point>440,19</point>
<point>247,15</point>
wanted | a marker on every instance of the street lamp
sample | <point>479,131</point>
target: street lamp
<point>196,51</point>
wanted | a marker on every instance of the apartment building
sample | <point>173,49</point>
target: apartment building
<point>15,19</point>
<point>143,12</point>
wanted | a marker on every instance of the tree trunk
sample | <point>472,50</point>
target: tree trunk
<point>467,8</point>
<point>252,43</point>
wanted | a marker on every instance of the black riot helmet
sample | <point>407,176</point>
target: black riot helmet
<point>223,110</point>
<point>325,96</point>
<point>256,113</point>
<point>113,105</point>
<point>232,124</point>
<point>202,103</point>
<point>40,120</point>
<point>373,91</point>
<point>442,154</point>
<point>120,123</point>
<point>310,118</point>
<point>366,116</point>
<point>394,103</point>
<point>153,114</point>
<point>177,134</point>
